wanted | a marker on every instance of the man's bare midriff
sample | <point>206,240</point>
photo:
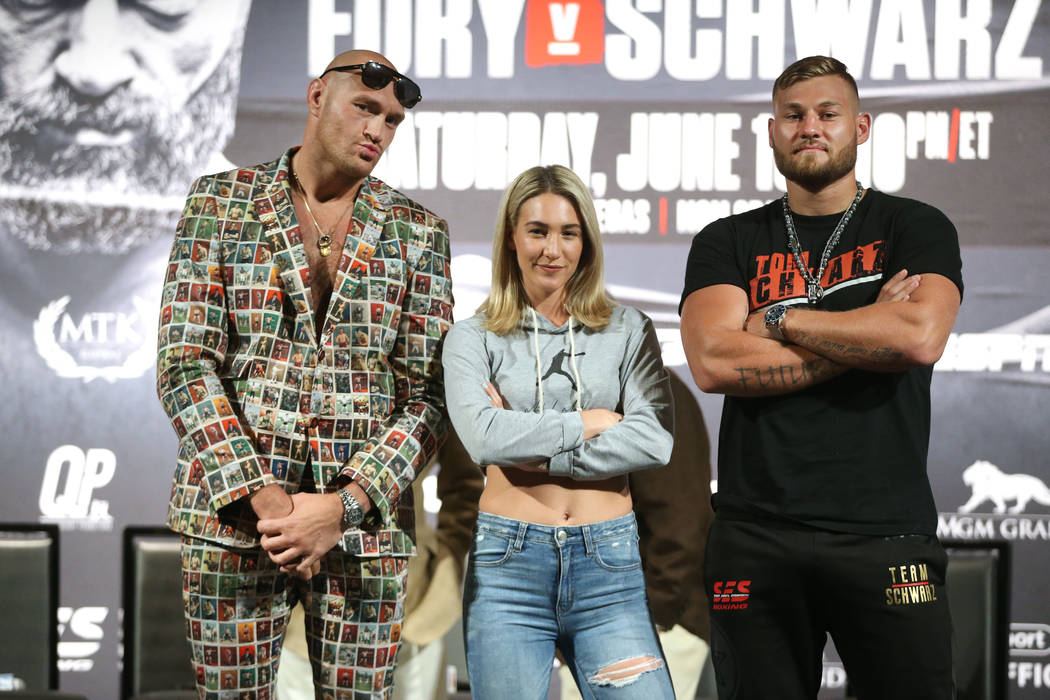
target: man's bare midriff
<point>538,497</point>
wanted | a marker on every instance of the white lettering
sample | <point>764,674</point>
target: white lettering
<point>932,129</point>
<point>486,150</point>
<point>1009,63</point>
<point>500,19</point>
<point>564,16</point>
<point>691,60</point>
<point>848,42</point>
<point>904,19</point>
<point>672,150</point>
<point>457,148</point>
<point>766,26</point>
<point>623,215</point>
<point>965,527</point>
<point>76,332</point>
<point>990,352</point>
<point>523,149</point>
<point>1029,672</point>
<point>888,160</point>
<point>86,473</point>
<point>448,30</point>
<point>767,177</point>
<point>691,215</point>
<point>634,54</point>
<point>490,151</point>
<point>951,28</point>
<point>323,25</point>
<point>726,151</point>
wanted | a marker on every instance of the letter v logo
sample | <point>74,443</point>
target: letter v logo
<point>564,32</point>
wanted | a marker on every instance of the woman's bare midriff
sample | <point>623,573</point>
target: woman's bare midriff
<point>538,497</point>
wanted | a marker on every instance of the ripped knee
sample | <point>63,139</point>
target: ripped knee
<point>626,672</point>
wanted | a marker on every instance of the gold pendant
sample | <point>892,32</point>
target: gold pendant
<point>324,245</point>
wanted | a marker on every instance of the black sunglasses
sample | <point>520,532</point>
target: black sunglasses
<point>377,76</point>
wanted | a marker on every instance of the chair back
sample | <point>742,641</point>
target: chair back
<point>978,582</point>
<point>156,654</point>
<point>29,615</point>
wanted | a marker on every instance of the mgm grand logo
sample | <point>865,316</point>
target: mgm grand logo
<point>1008,496</point>
<point>97,345</point>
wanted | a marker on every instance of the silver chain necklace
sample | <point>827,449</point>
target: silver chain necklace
<point>814,292</point>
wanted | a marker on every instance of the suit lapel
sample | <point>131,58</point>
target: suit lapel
<point>280,228</point>
<point>371,211</point>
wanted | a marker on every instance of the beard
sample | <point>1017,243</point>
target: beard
<point>64,196</point>
<point>813,175</point>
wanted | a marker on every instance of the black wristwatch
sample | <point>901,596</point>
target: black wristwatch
<point>353,513</point>
<point>774,317</point>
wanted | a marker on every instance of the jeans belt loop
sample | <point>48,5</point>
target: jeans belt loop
<point>523,527</point>
<point>588,541</point>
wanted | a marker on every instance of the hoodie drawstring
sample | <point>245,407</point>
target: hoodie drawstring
<point>572,360</point>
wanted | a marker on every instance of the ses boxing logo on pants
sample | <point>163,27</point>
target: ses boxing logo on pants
<point>564,32</point>
<point>730,595</point>
<point>71,476</point>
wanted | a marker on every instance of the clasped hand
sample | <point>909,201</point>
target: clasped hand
<point>297,539</point>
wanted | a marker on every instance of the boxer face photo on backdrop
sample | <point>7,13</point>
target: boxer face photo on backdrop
<point>108,110</point>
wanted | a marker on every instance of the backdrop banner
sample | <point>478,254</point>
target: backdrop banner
<point>109,110</point>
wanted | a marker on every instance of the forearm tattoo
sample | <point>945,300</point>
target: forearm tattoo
<point>846,352</point>
<point>788,377</point>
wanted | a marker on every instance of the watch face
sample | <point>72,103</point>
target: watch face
<point>774,314</point>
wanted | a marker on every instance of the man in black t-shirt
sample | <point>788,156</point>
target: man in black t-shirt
<point>819,317</point>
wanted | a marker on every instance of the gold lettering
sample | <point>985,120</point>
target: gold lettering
<point>924,592</point>
<point>923,572</point>
<point>893,575</point>
<point>904,574</point>
<point>933,592</point>
<point>889,596</point>
<point>914,594</point>
<point>914,573</point>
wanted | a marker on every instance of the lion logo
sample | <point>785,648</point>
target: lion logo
<point>989,483</point>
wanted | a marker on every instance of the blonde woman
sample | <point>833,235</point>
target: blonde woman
<point>561,393</point>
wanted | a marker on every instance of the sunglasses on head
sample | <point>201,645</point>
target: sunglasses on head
<point>377,76</point>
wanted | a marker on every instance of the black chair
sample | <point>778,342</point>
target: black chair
<point>29,616</point>
<point>978,582</point>
<point>156,663</point>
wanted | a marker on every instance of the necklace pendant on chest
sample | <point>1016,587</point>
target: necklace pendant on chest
<point>814,293</point>
<point>324,245</point>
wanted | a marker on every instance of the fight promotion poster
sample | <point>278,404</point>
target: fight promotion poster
<point>108,110</point>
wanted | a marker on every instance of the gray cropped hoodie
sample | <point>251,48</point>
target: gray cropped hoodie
<point>546,374</point>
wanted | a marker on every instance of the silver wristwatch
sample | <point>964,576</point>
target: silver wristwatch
<point>353,513</point>
<point>774,317</point>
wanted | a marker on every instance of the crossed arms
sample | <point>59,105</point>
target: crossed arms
<point>731,352</point>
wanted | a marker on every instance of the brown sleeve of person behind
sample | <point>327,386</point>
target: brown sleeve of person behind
<point>433,602</point>
<point>673,508</point>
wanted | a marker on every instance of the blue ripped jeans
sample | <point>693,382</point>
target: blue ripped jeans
<point>531,588</point>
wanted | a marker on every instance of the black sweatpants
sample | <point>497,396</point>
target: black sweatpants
<point>777,590</point>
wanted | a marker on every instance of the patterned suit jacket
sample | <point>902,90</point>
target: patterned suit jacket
<point>252,388</point>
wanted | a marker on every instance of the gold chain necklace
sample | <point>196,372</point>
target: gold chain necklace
<point>324,240</point>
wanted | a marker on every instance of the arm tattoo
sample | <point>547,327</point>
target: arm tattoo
<point>788,377</point>
<point>829,347</point>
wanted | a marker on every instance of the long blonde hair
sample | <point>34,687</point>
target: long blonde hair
<point>585,296</point>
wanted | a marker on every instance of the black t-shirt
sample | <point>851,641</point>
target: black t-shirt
<point>848,454</point>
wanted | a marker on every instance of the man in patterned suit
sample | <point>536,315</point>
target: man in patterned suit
<point>298,445</point>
